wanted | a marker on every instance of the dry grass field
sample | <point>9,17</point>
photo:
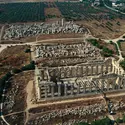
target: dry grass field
<point>13,57</point>
<point>123,48</point>
<point>101,30</point>
<point>39,111</point>
<point>57,36</point>
<point>17,113</point>
<point>52,11</point>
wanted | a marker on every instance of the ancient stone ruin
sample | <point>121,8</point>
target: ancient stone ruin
<point>73,70</point>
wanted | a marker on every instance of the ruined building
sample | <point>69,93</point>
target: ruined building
<point>74,70</point>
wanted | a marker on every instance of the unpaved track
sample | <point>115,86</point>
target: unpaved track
<point>76,100</point>
<point>3,46</point>
<point>1,33</point>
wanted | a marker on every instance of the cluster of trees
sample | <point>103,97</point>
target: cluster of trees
<point>119,43</point>
<point>50,4</point>
<point>4,81</point>
<point>50,16</point>
<point>30,66</point>
<point>122,63</point>
<point>22,12</point>
<point>108,2</point>
<point>115,47</point>
<point>105,51</point>
<point>120,120</point>
<point>105,121</point>
<point>80,11</point>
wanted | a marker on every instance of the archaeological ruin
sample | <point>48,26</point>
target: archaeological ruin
<point>73,70</point>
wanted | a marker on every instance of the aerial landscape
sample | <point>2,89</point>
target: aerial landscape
<point>62,62</point>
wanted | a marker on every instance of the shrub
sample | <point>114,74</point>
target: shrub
<point>16,71</point>
<point>122,63</point>
<point>30,66</point>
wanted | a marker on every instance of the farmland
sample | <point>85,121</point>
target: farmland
<point>39,11</point>
<point>84,11</point>
<point>21,12</point>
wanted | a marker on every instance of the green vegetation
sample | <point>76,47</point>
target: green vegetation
<point>84,11</point>
<point>120,120</point>
<point>118,23</point>
<point>108,2</point>
<point>105,51</point>
<point>109,23</point>
<point>123,118</point>
<point>119,43</point>
<point>30,66</point>
<point>15,71</point>
<point>27,50</point>
<point>4,80</point>
<point>122,63</point>
<point>115,47</point>
<point>83,123</point>
<point>22,12</point>
<point>94,42</point>
<point>105,121</point>
<point>32,12</point>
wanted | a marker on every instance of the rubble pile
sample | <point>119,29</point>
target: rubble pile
<point>17,31</point>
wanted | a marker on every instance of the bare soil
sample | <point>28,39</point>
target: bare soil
<point>101,30</point>
<point>21,80</point>
<point>52,11</point>
<point>123,46</point>
<point>18,119</point>
<point>13,57</point>
<point>56,36</point>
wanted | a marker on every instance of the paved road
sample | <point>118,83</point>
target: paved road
<point>113,9</point>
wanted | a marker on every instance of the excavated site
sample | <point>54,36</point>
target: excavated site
<point>73,82</point>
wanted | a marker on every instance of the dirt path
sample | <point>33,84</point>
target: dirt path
<point>14,113</point>
<point>1,32</point>
<point>29,90</point>
<point>74,100</point>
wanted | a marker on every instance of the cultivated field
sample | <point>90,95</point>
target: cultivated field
<point>32,12</point>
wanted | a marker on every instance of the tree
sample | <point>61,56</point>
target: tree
<point>15,70</point>
<point>122,63</point>
<point>30,66</point>
<point>124,118</point>
<point>27,50</point>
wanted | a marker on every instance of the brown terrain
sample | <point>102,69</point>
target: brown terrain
<point>97,29</point>
<point>52,11</point>
<point>13,57</point>
<point>19,108</point>
<point>101,30</point>
<point>87,100</point>
<point>123,48</point>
